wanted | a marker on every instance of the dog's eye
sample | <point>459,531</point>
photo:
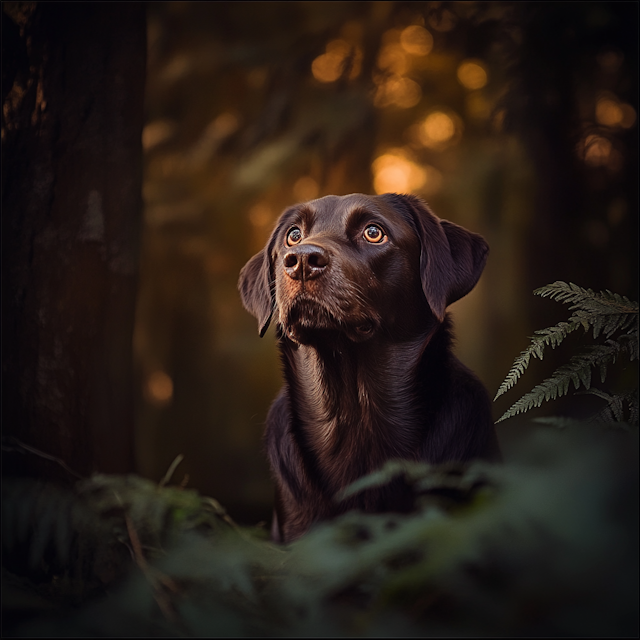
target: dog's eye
<point>374,234</point>
<point>294,236</point>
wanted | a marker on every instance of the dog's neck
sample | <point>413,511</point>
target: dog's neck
<point>354,406</point>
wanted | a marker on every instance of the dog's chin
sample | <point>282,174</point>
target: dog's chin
<point>308,322</point>
<point>310,335</point>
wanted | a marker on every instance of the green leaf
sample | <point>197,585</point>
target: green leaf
<point>606,313</point>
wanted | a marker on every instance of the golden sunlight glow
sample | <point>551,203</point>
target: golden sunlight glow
<point>305,188</point>
<point>330,66</point>
<point>472,74</point>
<point>612,113</point>
<point>394,172</point>
<point>437,129</point>
<point>608,112</point>
<point>156,133</point>
<point>398,91</point>
<point>416,40</point>
<point>393,59</point>
<point>597,150</point>
<point>159,388</point>
<point>628,116</point>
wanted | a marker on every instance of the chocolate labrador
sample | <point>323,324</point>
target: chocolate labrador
<point>358,286</point>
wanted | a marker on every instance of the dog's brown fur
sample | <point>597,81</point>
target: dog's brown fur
<point>366,349</point>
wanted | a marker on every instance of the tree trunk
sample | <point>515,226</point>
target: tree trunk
<point>73,95</point>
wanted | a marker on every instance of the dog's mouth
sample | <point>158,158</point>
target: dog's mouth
<point>307,320</point>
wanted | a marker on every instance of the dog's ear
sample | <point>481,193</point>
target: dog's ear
<point>256,290</point>
<point>469,252</point>
<point>256,282</point>
<point>451,258</point>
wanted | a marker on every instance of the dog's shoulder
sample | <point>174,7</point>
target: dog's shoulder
<point>281,446</point>
<point>465,420</point>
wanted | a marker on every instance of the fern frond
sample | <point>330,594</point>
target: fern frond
<point>83,535</point>
<point>614,410</point>
<point>605,312</point>
<point>44,520</point>
<point>577,371</point>
<point>587,298</point>
<point>629,342</point>
<point>552,336</point>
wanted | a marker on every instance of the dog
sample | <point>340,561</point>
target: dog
<point>358,287</point>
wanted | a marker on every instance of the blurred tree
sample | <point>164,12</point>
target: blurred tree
<point>72,88</point>
<point>573,71</point>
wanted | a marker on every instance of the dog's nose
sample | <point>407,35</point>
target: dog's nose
<point>305,261</point>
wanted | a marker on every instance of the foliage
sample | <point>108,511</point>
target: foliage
<point>543,545</point>
<point>607,314</point>
<point>85,540</point>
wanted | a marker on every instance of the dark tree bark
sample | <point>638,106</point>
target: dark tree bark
<point>559,48</point>
<point>73,95</point>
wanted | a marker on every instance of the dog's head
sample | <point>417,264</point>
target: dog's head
<point>360,264</point>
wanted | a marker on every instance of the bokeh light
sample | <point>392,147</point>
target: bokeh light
<point>416,40</point>
<point>599,151</point>
<point>159,388</point>
<point>472,74</point>
<point>395,172</point>
<point>608,112</point>
<point>393,59</point>
<point>628,116</point>
<point>440,129</point>
<point>398,91</point>
<point>612,113</point>
<point>332,64</point>
<point>157,132</point>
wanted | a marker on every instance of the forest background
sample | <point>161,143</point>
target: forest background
<point>148,150</point>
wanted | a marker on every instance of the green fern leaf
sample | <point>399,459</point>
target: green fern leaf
<point>629,342</point>
<point>577,371</point>
<point>587,298</point>
<point>40,519</point>
<point>552,336</point>
<point>605,313</point>
<point>614,410</point>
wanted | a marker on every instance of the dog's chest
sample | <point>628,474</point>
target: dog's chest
<point>354,417</point>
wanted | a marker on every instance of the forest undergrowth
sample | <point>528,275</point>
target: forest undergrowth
<point>545,544</point>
